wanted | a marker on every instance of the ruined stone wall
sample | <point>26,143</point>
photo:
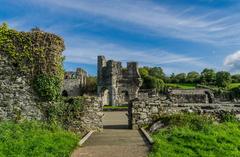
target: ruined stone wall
<point>191,96</point>
<point>91,117</point>
<point>145,111</point>
<point>121,83</point>
<point>17,98</point>
<point>25,56</point>
<point>78,114</point>
<point>72,87</point>
<point>74,82</point>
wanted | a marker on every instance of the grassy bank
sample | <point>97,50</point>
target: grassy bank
<point>182,85</point>
<point>35,139</point>
<point>196,136</point>
<point>193,86</point>
<point>233,85</point>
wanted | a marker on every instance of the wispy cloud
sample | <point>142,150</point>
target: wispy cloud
<point>89,49</point>
<point>232,61</point>
<point>73,19</point>
<point>194,24</point>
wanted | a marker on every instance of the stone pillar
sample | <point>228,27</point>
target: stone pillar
<point>101,64</point>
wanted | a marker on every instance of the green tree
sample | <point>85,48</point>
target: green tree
<point>193,77</point>
<point>180,78</point>
<point>157,72</point>
<point>143,72</point>
<point>153,83</point>
<point>208,76</point>
<point>172,78</point>
<point>167,79</point>
<point>223,78</point>
<point>91,85</point>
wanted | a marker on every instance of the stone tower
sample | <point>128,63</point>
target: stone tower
<point>117,85</point>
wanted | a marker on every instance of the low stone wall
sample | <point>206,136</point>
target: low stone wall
<point>92,114</point>
<point>144,112</point>
<point>77,114</point>
<point>189,98</point>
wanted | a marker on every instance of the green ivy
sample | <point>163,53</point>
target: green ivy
<point>37,55</point>
<point>65,111</point>
<point>47,86</point>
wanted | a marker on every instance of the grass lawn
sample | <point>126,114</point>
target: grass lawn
<point>35,139</point>
<point>192,137</point>
<point>233,85</point>
<point>182,85</point>
<point>115,107</point>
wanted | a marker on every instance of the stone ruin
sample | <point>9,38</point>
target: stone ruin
<point>74,82</point>
<point>117,85</point>
<point>191,96</point>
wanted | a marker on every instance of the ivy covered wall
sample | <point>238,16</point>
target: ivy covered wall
<point>31,72</point>
<point>36,55</point>
<point>31,76</point>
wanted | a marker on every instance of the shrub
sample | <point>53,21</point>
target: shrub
<point>192,120</point>
<point>47,86</point>
<point>65,112</point>
<point>227,117</point>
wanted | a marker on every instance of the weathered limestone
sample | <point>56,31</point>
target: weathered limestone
<point>145,111</point>
<point>90,118</point>
<point>17,98</point>
<point>117,85</point>
<point>191,96</point>
<point>73,82</point>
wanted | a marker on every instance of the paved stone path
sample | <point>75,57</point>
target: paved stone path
<point>115,141</point>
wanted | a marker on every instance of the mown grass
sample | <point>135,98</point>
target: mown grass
<point>193,86</point>
<point>115,107</point>
<point>182,85</point>
<point>35,139</point>
<point>233,85</point>
<point>191,137</point>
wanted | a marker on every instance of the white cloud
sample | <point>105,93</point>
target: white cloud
<point>85,50</point>
<point>194,24</point>
<point>232,61</point>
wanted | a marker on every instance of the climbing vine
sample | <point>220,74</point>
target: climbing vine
<point>37,55</point>
<point>47,86</point>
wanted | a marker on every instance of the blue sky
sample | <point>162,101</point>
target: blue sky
<point>177,35</point>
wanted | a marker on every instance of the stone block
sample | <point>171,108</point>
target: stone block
<point>154,110</point>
